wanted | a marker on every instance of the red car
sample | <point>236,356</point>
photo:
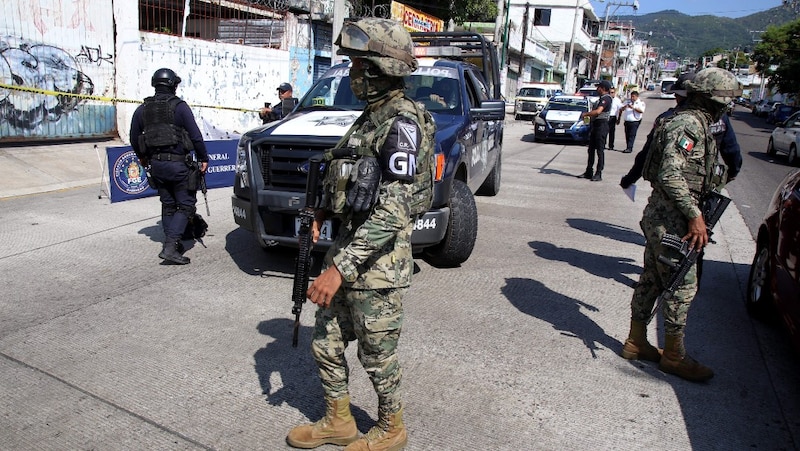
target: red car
<point>774,282</point>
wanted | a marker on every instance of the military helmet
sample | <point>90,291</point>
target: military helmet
<point>165,77</point>
<point>384,42</point>
<point>679,87</point>
<point>717,83</point>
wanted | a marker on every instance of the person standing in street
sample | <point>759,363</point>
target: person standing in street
<point>163,135</point>
<point>724,136</point>
<point>385,181</point>
<point>269,114</point>
<point>631,114</point>
<point>598,132</point>
<point>613,120</point>
<point>682,168</point>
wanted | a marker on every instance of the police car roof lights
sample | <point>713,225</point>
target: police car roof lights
<point>421,51</point>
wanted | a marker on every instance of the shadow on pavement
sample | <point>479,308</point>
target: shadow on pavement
<point>562,312</point>
<point>606,267</point>
<point>604,229</point>
<point>252,259</point>
<point>297,371</point>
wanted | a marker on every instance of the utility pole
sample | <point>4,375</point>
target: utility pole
<point>635,6</point>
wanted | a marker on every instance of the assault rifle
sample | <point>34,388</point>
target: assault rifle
<point>204,190</point>
<point>302,266</point>
<point>714,205</point>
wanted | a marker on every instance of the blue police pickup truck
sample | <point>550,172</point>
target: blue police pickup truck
<point>457,81</point>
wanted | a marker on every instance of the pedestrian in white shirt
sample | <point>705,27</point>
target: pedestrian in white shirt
<point>631,112</point>
<point>616,104</point>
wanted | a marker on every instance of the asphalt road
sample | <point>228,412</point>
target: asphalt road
<point>761,174</point>
<point>102,347</point>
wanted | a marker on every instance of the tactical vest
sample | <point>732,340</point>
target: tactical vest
<point>700,178</point>
<point>160,131</point>
<point>359,141</point>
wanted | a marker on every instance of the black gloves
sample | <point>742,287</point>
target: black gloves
<point>367,177</point>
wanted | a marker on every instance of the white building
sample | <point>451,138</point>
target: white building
<point>547,40</point>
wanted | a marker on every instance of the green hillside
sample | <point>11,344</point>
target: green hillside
<point>680,35</point>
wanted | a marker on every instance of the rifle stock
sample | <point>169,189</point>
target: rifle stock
<point>304,262</point>
<point>713,206</point>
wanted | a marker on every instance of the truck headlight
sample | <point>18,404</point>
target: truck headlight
<point>241,160</point>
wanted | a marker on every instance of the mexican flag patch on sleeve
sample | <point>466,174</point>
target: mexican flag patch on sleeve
<point>686,144</point>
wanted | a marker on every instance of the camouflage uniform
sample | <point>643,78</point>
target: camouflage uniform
<point>682,152</point>
<point>379,176</point>
<point>373,253</point>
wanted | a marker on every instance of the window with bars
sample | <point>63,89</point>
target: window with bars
<point>257,23</point>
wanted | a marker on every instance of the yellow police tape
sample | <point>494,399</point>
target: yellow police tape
<point>109,99</point>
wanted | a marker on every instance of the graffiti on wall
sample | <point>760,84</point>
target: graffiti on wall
<point>40,68</point>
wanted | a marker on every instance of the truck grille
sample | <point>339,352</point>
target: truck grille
<point>280,165</point>
<point>529,106</point>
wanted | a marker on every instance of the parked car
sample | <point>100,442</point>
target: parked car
<point>762,107</point>
<point>786,139</point>
<point>590,92</point>
<point>532,97</point>
<point>780,113</point>
<point>561,120</point>
<point>774,281</point>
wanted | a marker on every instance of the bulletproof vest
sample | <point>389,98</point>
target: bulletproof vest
<point>718,129</point>
<point>160,131</point>
<point>605,114</point>
<point>360,140</point>
<point>700,176</point>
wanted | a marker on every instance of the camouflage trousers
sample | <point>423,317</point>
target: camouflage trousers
<point>656,275</point>
<point>374,318</point>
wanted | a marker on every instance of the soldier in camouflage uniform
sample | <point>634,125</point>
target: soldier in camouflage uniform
<point>682,167</point>
<point>368,268</point>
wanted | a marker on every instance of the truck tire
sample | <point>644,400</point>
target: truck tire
<point>491,186</point>
<point>462,230</point>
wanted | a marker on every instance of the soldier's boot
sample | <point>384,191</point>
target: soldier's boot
<point>181,250</point>
<point>171,252</point>
<point>388,435</point>
<point>337,427</point>
<point>598,176</point>
<point>675,361</point>
<point>637,347</point>
<point>588,174</point>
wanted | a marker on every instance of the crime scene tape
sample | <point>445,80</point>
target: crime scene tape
<point>111,99</point>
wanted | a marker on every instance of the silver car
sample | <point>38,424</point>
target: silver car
<point>786,139</point>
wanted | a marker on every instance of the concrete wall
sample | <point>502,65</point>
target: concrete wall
<point>56,45</point>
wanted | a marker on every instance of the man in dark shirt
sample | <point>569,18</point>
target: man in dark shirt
<point>599,132</point>
<point>268,114</point>
<point>163,133</point>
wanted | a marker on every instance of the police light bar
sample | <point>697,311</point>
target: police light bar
<point>437,51</point>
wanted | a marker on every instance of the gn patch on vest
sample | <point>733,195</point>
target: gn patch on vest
<point>400,150</point>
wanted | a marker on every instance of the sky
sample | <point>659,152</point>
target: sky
<point>724,8</point>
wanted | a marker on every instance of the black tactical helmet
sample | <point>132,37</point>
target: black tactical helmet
<point>165,77</point>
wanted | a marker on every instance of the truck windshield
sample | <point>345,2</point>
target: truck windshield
<point>532,92</point>
<point>438,90</point>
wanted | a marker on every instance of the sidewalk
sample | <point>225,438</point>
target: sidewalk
<point>50,167</point>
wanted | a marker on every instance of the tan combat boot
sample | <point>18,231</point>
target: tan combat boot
<point>676,361</point>
<point>337,427</point>
<point>388,435</point>
<point>637,347</point>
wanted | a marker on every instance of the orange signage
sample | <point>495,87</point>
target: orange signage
<point>415,20</point>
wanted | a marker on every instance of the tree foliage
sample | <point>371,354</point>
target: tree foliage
<point>459,11</point>
<point>780,49</point>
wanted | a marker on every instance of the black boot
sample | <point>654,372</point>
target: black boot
<point>588,174</point>
<point>598,176</point>
<point>172,252</point>
<point>181,250</point>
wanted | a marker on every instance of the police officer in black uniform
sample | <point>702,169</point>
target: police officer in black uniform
<point>163,134</point>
